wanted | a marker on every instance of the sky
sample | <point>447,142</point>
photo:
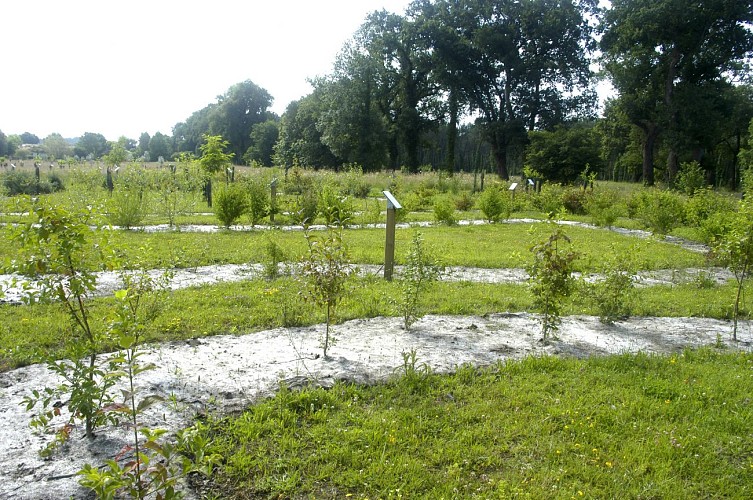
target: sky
<point>124,67</point>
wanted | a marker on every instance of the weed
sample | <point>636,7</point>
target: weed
<point>420,270</point>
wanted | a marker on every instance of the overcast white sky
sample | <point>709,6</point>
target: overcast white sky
<point>123,67</point>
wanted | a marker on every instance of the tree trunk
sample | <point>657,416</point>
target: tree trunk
<point>500,159</point>
<point>452,133</point>
<point>652,132</point>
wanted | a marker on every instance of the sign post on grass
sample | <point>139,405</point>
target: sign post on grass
<point>272,200</point>
<point>389,246</point>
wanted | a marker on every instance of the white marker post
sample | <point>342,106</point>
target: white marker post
<point>389,245</point>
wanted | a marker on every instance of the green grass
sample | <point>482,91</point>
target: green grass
<point>487,246</point>
<point>246,307</point>
<point>627,426</point>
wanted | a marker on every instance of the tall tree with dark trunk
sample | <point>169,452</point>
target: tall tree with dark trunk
<point>528,65</point>
<point>655,50</point>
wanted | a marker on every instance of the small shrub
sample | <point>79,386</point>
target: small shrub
<point>612,295</point>
<point>230,203</point>
<point>274,256</point>
<point>493,203</point>
<point>603,206</point>
<point>659,210</point>
<point>574,200</point>
<point>690,178</point>
<point>704,203</point>
<point>550,278</point>
<point>258,200</point>
<point>549,201</point>
<point>325,272</point>
<point>444,211</point>
<point>305,207</point>
<point>334,207</point>
<point>420,270</point>
<point>127,208</point>
<point>464,201</point>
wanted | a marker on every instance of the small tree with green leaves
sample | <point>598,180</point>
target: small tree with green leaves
<point>326,271</point>
<point>213,159</point>
<point>148,465</point>
<point>735,250</point>
<point>550,277</point>
<point>421,269</point>
<point>230,203</point>
<point>613,292</point>
<point>60,251</point>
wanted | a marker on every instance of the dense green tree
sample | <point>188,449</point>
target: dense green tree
<point>3,144</point>
<point>160,146</point>
<point>562,154</point>
<point>263,139</point>
<point>528,66</point>
<point>442,26</point>
<point>300,138</point>
<point>56,146</point>
<point>14,143</point>
<point>91,144</point>
<point>117,155</point>
<point>238,110</point>
<point>402,62</point>
<point>660,54</point>
<point>29,138</point>
<point>352,122</point>
<point>126,143</point>
<point>143,143</point>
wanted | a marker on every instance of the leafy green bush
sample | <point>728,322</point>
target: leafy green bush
<point>574,200</point>
<point>230,203</point>
<point>550,277</point>
<point>690,178</point>
<point>304,208</point>
<point>444,210</point>
<point>603,206</point>
<point>334,207</point>
<point>704,203</point>
<point>493,203</point>
<point>464,201</point>
<point>660,210</point>
<point>258,200</point>
<point>22,182</point>
<point>127,207</point>
<point>549,201</point>
<point>612,295</point>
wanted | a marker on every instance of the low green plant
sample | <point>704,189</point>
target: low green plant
<point>274,256</point>
<point>127,207</point>
<point>230,203</point>
<point>334,207</point>
<point>325,272</point>
<point>550,277</point>
<point>420,270</point>
<point>464,201</point>
<point>690,178</point>
<point>660,210</point>
<point>603,207</point>
<point>550,199</point>
<point>444,211</point>
<point>258,200</point>
<point>305,208</point>
<point>613,292</point>
<point>493,203</point>
<point>735,250</point>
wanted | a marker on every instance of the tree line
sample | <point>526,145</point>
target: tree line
<point>506,86</point>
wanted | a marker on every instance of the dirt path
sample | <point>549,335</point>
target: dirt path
<point>225,373</point>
